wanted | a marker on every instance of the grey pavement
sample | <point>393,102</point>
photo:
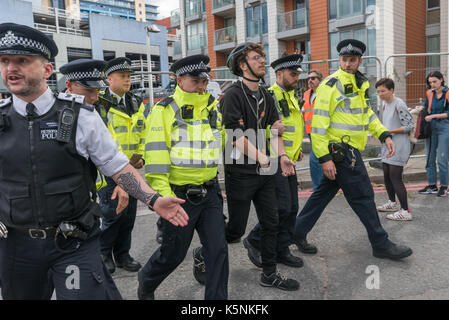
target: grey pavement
<point>344,267</point>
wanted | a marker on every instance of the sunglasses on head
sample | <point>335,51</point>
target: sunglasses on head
<point>312,78</point>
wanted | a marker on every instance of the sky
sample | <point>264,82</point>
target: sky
<point>165,7</point>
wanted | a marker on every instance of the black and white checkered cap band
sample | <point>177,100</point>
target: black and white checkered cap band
<point>350,49</point>
<point>287,65</point>
<point>10,39</point>
<point>191,68</point>
<point>118,67</point>
<point>93,74</point>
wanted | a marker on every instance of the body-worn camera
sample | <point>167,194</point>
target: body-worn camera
<point>283,104</point>
<point>187,111</point>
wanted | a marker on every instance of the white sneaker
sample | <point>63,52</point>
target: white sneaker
<point>401,215</point>
<point>390,206</point>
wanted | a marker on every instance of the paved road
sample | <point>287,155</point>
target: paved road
<point>341,269</point>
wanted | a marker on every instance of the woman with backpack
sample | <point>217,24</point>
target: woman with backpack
<point>437,145</point>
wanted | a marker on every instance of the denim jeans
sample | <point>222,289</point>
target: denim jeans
<point>437,149</point>
<point>316,170</point>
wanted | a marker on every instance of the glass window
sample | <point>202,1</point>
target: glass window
<point>332,9</point>
<point>356,6</point>
<point>371,43</point>
<point>344,9</point>
<point>264,18</point>
<point>359,35</point>
<point>371,3</point>
<point>433,4</point>
<point>433,45</point>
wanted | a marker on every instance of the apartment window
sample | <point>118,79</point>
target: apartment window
<point>256,20</point>
<point>340,9</point>
<point>196,36</point>
<point>433,12</point>
<point>432,4</point>
<point>433,45</point>
<point>367,36</point>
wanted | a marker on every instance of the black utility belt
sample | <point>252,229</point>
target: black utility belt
<point>185,188</point>
<point>33,233</point>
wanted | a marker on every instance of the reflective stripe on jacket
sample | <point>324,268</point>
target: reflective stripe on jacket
<point>337,113</point>
<point>182,151</point>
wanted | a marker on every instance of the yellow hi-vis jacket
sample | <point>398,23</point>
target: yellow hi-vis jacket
<point>128,131</point>
<point>294,123</point>
<point>342,108</point>
<point>181,149</point>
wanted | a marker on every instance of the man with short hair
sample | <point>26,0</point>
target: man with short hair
<point>314,78</point>
<point>182,153</point>
<point>49,225</point>
<point>124,114</point>
<point>342,118</point>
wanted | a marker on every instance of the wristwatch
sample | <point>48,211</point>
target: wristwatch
<point>153,199</point>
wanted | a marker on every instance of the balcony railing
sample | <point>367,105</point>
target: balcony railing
<point>292,20</point>
<point>52,29</point>
<point>196,42</point>
<point>175,18</point>
<point>194,8</point>
<point>225,35</point>
<point>222,3</point>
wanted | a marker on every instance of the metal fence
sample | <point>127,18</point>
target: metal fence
<point>409,72</point>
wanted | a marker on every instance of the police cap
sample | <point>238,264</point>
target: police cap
<point>195,66</point>
<point>120,64</point>
<point>19,39</point>
<point>88,72</point>
<point>351,47</point>
<point>292,62</point>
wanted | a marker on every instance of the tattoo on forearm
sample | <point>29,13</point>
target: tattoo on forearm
<point>131,185</point>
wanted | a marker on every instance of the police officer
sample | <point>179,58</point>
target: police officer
<point>124,115</point>
<point>52,224</point>
<point>86,77</point>
<point>182,153</point>
<point>341,120</point>
<point>314,78</point>
<point>287,70</point>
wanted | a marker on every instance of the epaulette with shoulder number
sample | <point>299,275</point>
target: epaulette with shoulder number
<point>70,96</point>
<point>165,102</point>
<point>331,82</point>
<point>5,102</point>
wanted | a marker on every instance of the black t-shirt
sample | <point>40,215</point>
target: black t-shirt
<point>235,108</point>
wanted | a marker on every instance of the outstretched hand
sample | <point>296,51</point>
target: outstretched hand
<point>170,209</point>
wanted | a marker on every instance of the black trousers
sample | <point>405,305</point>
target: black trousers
<point>359,193</point>
<point>116,230</point>
<point>208,220</point>
<point>32,268</point>
<point>288,206</point>
<point>241,189</point>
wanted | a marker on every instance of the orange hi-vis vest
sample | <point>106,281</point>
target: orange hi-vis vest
<point>430,98</point>
<point>307,111</point>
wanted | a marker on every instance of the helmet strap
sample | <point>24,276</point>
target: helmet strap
<point>252,72</point>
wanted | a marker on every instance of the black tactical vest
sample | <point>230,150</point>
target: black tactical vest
<point>42,181</point>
